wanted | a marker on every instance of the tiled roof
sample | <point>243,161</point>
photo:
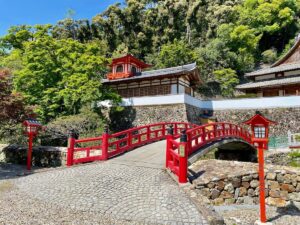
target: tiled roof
<point>284,67</point>
<point>268,83</point>
<point>158,73</point>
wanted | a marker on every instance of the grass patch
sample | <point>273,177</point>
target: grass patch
<point>295,158</point>
<point>209,155</point>
<point>294,163</point>
<point>5,186</point>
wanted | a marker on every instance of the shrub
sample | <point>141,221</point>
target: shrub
<point>269,56</point>
<point>87,124</point>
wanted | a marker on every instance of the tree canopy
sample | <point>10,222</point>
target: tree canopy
<point>58,67</point>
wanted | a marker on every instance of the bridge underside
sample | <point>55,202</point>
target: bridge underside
<point>227,149</point>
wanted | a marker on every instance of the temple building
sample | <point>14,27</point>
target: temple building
<point>129,80</point>
<point>281,79</point>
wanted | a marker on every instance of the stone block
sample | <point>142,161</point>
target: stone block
<point>271,176</point>
<point>287,187</point>
<point>245,184</point>
<point>287,179</point>
<point>294,197</point>
<point>236,193</point>
<point>254,183</point>
<point>236,182</point>
<point>226,195</point>
<point>248,200</point>
<point>215,193</point>
<point>243,191</point>
<point>251,192</point>
<point>229,201</point>
<point>210,185</point>
<point>274,193</point>
<point>240,200</point>
<point>218,201</point>
<point>229,187</point>
<point>284,195</point>
<point>220,185</point>
<point>298,187</point>
<point>247,178</point>
<point>280,178</point>
<point>278,202</point>
<point>205,192</point>
<point>274,185</point>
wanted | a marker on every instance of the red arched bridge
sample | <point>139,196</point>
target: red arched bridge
<point>183,140</point>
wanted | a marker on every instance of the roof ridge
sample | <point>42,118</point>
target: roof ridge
<point>175,67</point>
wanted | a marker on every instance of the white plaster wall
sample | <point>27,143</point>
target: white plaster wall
<point>250,103</point>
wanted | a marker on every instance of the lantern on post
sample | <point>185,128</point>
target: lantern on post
<point>260,139</point>
<point>31,129</point>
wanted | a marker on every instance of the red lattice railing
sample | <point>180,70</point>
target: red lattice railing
<point>110,145</point>
<point>194,139</point>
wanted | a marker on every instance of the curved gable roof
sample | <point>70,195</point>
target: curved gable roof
<point>289,53</point>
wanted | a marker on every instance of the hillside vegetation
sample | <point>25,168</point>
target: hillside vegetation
<point>56,68</point>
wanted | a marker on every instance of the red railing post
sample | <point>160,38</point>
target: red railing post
<point>71,146</point>
<point>163,130</point>
<point>183,158</point>
<point>105,137</point>
<point>148,132</point>
<point>169,138</point>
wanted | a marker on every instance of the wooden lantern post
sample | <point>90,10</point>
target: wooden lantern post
<point>260,139</point>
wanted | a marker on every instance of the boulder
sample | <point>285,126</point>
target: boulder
<point>254,183</point>
<point>215,193</point>
<point>242,191</point>
<point>287,187</point>
<point>278,202</point>
<point>229,187</point>
<point>271,176</point>
<point>245,184</point>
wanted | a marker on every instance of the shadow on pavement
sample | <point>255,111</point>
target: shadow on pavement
<point>291,210</point>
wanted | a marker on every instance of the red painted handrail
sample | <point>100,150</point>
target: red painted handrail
<point>177,153</point>
<point>110,145</point>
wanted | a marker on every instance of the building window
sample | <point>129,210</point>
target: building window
<point>133,70</point>
<point>260,132</point>
<point>119,69</point>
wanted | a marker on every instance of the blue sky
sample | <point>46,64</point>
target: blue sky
<point>16,12</point>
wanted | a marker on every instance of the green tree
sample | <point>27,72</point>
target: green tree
<point>59,76</point>
<point>228,79</point>
<point>173,54</point>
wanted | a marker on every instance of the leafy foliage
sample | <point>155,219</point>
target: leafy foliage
<point>228,79</point>
<point>218,35</point>
<point>87,123</point>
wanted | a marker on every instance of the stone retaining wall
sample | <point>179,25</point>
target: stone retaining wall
<point>41,156</point>
<point>143,115</point>
<point>286,118</point>
<point>240,185</point>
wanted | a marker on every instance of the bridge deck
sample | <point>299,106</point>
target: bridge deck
<point>150,156</point>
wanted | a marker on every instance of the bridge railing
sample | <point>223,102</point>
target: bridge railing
<point>177,152</point>
<point>110,145</point>
<point>293,140</point>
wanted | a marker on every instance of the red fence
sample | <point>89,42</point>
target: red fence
<point>110,145</point>
<point>177,152</point>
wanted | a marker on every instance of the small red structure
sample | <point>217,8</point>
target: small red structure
<point>32,127</point>
<point>260,139</point>
<point>126,66</point>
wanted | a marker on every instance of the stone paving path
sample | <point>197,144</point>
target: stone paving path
<point>127,188</point>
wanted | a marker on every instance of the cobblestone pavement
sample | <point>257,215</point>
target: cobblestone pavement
<point>99,193</point>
